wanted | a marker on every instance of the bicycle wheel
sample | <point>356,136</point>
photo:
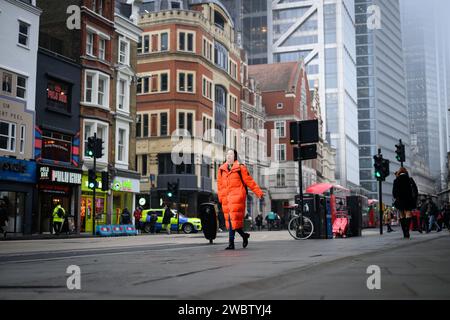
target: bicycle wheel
<point>300,231</point>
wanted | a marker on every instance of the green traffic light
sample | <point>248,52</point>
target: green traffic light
<point>90,153</point>
<point>91,185</point>
<point>377,174</point>
<point>170,194</point>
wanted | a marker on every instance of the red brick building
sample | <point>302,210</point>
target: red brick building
<point>188,99</point>
<point>286,98</point>
<point>103,44</point>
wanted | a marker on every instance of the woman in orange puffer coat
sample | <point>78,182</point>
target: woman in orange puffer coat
<point>233,195</point>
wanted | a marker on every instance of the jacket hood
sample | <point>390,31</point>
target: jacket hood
<point>233,168</point>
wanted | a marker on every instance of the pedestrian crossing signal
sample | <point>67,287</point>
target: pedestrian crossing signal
<point>92,179</point>
<point>400,152</point>
<point>90,147</point>
<point>381,167</point>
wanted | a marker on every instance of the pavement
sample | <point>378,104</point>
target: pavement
<point>274,266</point>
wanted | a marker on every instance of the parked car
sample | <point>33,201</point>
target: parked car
<point>177,222</point>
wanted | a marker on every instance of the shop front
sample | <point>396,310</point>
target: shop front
<point>58,185</point>
<point>17,181</point>
<point>124,192</point>
<point>86,207</point>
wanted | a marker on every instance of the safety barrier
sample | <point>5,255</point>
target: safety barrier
<point>115,230</point>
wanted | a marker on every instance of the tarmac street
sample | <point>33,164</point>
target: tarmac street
<point>274,266</point>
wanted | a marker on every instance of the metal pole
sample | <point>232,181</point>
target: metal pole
<point>401,163</point>
<point>95,186</point>
<point>178,205</point>
<point>300,173</point>
<point>380,204</point>
<point>381,207</point>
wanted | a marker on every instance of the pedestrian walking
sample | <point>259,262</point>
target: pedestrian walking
<point>404,193</point>
<point>3,217</point>
<point>387,218</point>
<point>137,218</point>
<point>259,221</point>
<point>125,217</point>
<point>424,219</point>
<point>232,182</point>
<point>433,213</point>
<point>166,218</point>
<point>58,218</point>
<point>447,215</point>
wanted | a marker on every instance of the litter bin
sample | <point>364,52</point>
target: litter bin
<point>208,217</point>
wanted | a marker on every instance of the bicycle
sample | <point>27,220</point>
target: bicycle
<point>300,227</point>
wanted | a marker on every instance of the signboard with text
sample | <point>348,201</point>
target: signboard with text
<point>59,175</point>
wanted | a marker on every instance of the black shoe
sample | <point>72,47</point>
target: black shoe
<point>230,246</point>
<point>245,243</point>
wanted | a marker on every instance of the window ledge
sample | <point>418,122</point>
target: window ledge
<point>186,92</point>
<point>125,113</point>
<point>93,105</point>
<point>23,46</point>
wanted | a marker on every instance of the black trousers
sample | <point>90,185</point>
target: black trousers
<point>405,223</point>
<point>57,227</point>
<point>424,224</point>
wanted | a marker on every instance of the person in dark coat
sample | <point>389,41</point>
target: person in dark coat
<point>433,213</point>
<point>446,212</point>
<point>403,192</point>
<point>126,216</point>
<point>423,216</point>
<point>259,221</point>
<point>166,218</point>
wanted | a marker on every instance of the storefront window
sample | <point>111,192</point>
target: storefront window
<point>56,146</point>
<point>13,203</point>
<point>58,95</point>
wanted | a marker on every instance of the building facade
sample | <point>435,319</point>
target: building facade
<point>57,141</point>
<point>19,27</point>
<point>253,149</point>
<point>286,98</point>
<point>250,18</point>
<point>104,45</point>
<point>382,105</point>
<point>188,99</point>
<point>322,34</point>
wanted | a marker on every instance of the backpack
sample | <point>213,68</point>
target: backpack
<point>60,212</point>
<point>242,180</point>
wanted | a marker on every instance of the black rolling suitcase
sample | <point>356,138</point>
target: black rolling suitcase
<point>208,217</point>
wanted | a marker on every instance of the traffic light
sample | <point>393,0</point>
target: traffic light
<point>381,167</point>
<point>400,152</point>
<point>172,189</point>
<point>169,190</point>
<point>105,180</point>
<point>385,168</point>
<point>92,179</point>
<point>98,149</point>
<point>90,147</point>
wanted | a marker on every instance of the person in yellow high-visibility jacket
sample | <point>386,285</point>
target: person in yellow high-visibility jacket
<point>58,218</point>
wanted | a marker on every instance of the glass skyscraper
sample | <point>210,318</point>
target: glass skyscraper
<point>323,35</point>
<point>425,41</point>
<point>382,107</point>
